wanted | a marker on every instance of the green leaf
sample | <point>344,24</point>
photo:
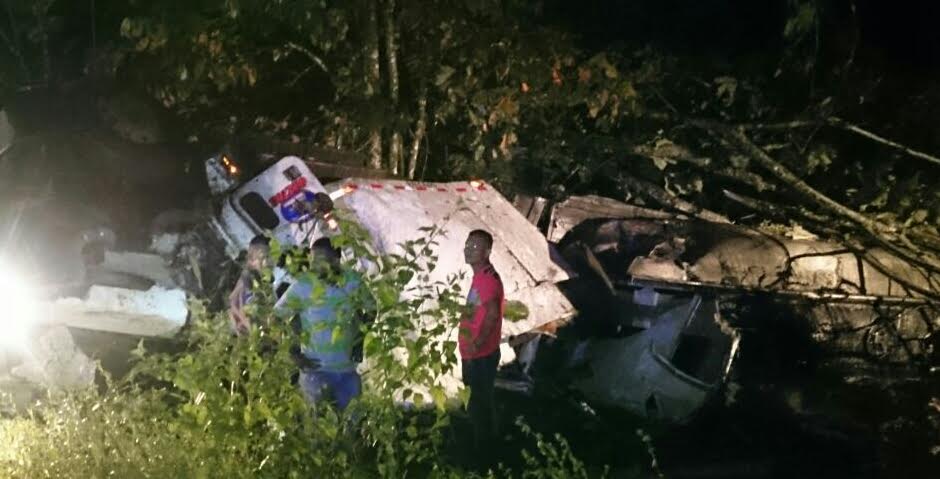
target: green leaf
<point>440,399</point>
<point>726,89</point>
<point>515,311</point>
<point>802,21</point>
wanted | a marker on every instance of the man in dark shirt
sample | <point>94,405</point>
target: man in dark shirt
<point>479,335</point>
<point>256,259</point>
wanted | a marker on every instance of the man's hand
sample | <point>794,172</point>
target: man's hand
<point>303,362</point>
<point>239,321</point>
<point>236,312</point>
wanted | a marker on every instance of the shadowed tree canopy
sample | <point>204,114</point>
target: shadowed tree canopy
<point>795,112</point>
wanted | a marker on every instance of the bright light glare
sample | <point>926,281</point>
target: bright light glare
<point>19,310</point>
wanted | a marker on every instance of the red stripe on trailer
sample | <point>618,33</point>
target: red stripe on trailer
<point>474,186</point>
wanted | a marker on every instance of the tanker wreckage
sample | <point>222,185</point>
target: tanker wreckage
<point>663,300</point>
<point>634,304</point>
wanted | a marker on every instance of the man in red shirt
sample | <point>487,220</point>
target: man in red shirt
<point>479,336</point>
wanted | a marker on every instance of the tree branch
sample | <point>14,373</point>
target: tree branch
<point>884,235</point>
<point>668,199</point>
<point>13,42</point>
<point>786,125</point>
<point>777,211</point>
<point>837,122</point>
<point>840,123</point>
<point>924,238</point>
<point>679,153</point>
<point>306,51</point>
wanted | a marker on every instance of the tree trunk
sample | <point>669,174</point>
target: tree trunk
<point>42,21</point>
<point>373,80</point>
<point>420,131</point>
<point>395,147</point>
<point>13,44</point>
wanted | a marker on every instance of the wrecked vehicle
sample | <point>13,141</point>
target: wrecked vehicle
<point>660,295</point>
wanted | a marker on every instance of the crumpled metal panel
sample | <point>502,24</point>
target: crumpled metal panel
<point>652,245</point>
<point>642,372</point>
<point>573,211</point>
<point>53,360</point>
<point>882,334</point>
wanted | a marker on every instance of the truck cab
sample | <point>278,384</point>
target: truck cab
<point>272,202</point>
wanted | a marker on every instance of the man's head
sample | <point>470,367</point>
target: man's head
<point>325,256</point>
<point>259,250</point>
<point>477,248</point>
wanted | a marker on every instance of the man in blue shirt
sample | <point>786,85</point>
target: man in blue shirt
<point>324,299</point>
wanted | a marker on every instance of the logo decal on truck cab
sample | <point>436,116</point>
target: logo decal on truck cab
<point>289,191</point>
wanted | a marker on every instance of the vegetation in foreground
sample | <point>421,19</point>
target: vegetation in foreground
<point>226,407</point>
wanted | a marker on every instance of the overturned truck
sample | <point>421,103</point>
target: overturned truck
<point>657,361</point>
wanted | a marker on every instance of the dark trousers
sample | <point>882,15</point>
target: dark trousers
<point>479,375</point>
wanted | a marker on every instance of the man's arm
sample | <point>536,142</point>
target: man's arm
<point>236,312</point>
<point>490,320</point>
<point>285,308</point>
